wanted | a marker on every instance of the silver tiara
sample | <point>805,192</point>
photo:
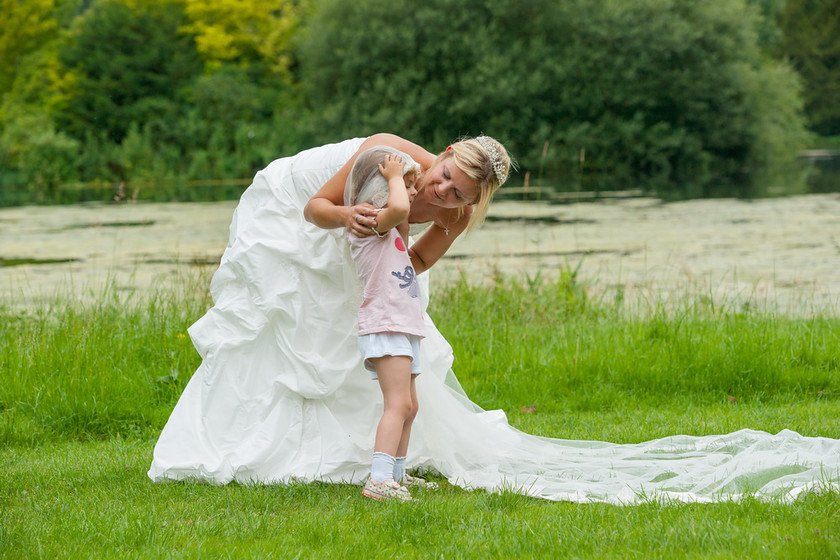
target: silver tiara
<point>496,159</point>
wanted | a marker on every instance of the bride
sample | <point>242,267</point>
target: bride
<point>282,393</point>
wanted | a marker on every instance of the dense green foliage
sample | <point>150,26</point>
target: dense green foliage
<point>811,40</point>
<point>135,92</point>
<point>678,97</point>
<point>131,66</point>
<point>657,93</point>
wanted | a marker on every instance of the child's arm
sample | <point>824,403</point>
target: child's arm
<point>326,207</point>
<point>398,207</point>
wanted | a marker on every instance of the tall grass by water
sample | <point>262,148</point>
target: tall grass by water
<point>87,387</point>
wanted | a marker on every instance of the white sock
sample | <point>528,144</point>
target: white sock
<point>399,468</point>
<point>382,467</point>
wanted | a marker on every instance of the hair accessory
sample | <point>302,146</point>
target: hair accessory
<point>448,148</point>
<point>495,158</point>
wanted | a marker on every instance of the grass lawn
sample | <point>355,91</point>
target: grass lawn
<point>87,388</point>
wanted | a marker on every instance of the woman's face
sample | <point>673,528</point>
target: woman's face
<point>446,186</point>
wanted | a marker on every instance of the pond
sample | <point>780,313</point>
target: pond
<point>779,252</point>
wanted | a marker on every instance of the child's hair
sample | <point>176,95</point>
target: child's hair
<point>367,184</point>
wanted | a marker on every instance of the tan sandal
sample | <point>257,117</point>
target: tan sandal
<point>385,490</point>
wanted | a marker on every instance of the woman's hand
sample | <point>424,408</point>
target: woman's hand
<point>361,219</point>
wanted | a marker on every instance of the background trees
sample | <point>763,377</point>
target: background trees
<point>34,155</point>
<point>810,39</point>
<point>678,97</point>
<point>662,94</point>
<point>126,66</point>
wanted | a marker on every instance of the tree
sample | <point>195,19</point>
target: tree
<point>24,27</point>
<point>659,93</point>
<point>34,156</point>
<point>126,65</point>
<point>243,31</point>
<point>811,41</point>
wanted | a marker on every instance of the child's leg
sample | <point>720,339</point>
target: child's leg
<point>402,449</point>
<point>397,385</point>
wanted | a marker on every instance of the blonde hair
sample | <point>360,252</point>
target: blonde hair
<point>484,160</point>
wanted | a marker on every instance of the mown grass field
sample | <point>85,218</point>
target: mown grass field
<point>87,387</point>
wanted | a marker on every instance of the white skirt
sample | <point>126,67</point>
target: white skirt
<point>282,393</point>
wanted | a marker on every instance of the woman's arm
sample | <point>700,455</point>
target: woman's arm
<point>326,207</point>
<point>437,239</point>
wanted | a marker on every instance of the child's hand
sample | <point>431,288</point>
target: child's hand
<point>393,167</point>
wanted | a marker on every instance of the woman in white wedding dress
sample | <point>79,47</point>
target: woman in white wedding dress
<point>282,394</point>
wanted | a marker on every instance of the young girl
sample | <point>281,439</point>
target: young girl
<point>390,316</point>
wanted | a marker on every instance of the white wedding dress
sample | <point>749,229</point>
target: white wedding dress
<point>282,395</point>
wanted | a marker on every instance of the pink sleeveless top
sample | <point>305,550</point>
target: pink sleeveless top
<point>391,291</point>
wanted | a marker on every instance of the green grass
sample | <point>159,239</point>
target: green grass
<point>87,387</point>
<point>92,500</point>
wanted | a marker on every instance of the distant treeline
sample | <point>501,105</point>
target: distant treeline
<point>676,97</point>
